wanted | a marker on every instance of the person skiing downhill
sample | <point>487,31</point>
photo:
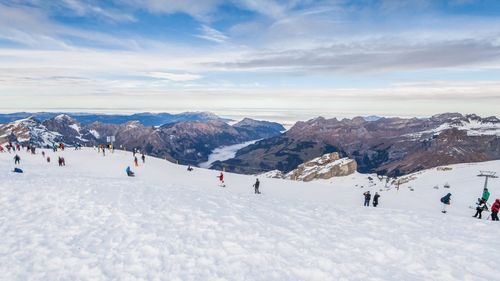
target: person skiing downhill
<point>375,199</point>
<point>17,159</point>
<point>481,206</point>
<point>494,210</point>
<point>368,196</point>
<point>256,186</point>
<point>136,162</point>
<point>143,157</point>
<point>446,202</point>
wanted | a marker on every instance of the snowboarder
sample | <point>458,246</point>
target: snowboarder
<point>17,159</point>
<point>368,196</point>
<point>446,202</point>
<point>136,162</point>
<point>256,186</point>
<point>494,210</point>
<point>481,206</point>
<point>143,158</point>
<point>486,195</point>
<point>189,168</point>
<point>129,172</point>
<point>375,199</point>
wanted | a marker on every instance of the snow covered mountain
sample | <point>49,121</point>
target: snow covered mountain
<point>187,141</point>
<point>89,221</point>
<point>393,146</point>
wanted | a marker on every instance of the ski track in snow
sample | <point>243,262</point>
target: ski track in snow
<point>88,222</point>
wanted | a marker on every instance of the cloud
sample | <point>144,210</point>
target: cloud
<point>211,34</point>
<point>176,77</point>
<point>376,56</point>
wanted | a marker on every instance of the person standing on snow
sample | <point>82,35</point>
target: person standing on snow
<point>446,200</point>
<point>143,158</point>
<point>136,162</point>
<point>481,206</point>
<point>375,199</point>
<point>494,210</point>
<point>221,178</point>
<point>17,159</point>
<point>368,196</point>
<point>256,186</point>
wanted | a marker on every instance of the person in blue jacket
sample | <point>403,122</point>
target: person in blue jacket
<point>129,172</point>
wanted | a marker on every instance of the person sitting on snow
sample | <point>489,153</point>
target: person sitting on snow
<point>17,170</point>
<point>129,172</point>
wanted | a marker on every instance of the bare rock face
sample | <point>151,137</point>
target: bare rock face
<point>324,167</point>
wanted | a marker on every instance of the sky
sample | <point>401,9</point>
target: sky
<point>267,59</point>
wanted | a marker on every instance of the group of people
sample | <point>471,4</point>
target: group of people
<point>481,205</point>
<point>368,197</point>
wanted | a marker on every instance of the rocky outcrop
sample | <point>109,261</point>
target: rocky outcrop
<point>324,167</point>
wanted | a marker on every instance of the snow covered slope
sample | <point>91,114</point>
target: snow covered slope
<point>88,221</point>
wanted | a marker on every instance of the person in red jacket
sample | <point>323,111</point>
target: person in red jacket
<point>494,210</point>
<point>221,178</point>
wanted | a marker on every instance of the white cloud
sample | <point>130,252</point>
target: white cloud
<point>211,34</point>
<point>176,77</point>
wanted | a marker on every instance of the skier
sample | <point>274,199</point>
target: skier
<point>256,185</point>
<point>143,158</point>
<point>494,210</point>
<point>368,196</point>
<point>481,206</point>
<point>375,199</point>
<point>43,154</point>
<point>129,172</point>
<point>136,162</point>
<point>446,202</point>
<point>486,195</point>
<point>48,159</point>
<point>17,159</point>
<point>189,168</point>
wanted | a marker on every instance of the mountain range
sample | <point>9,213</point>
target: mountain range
<point>392,146</point>
<point>388,146</point>
<point>188,142</point>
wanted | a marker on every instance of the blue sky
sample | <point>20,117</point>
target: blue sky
<point>262,58</point>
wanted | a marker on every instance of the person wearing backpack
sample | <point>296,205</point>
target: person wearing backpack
<point>446,200</point>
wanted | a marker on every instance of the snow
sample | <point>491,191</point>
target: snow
<point>224,153</point>
<point>95,133</point>
<point>75,127</point>
<point>473,128</point>
<point>88,221</point>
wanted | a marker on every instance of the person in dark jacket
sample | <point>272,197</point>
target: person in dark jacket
<point>481,206</point>
<point>368,196</point>
<point>256,186</point>
<point>17,159</point>
<point>375,199</point>
<point>143,157</point>
<point>494,210</point>
<point>446,200</point>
